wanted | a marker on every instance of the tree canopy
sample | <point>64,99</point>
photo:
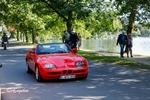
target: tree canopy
<point>131,11</point>
<point>45,18</point>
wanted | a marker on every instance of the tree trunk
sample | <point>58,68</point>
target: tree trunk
<point>131,23</point>
<point>69,22</point>
<point>33,36</point>
<point>26,36</point>
<point>18,35</point>
<point>132,20</point>
<point>69,26</point>
<point>23,34</point>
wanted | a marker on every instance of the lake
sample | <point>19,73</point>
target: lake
<point>141,45</point>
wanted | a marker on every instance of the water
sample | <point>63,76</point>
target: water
<point>141,45</point>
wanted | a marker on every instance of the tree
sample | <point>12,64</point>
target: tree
<point>49,17</point>
<point>103,19</point>
<point>69,10</point>
<point>131,11</point>
<point>20,16</point>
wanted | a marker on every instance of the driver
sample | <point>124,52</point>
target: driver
<point>4,39</point>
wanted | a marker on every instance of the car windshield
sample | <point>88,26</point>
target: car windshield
<point>52,48</point>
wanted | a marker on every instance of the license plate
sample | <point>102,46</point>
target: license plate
<point>67,77</point>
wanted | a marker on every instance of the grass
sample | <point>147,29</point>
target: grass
<point>94,56</point>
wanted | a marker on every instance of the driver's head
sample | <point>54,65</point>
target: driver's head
<point>4,33</point>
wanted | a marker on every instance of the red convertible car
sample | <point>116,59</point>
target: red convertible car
<point>50,61</point>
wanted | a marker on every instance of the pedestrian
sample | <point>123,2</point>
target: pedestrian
<point>66,37</point>
<point>129,45</point>
<point>73,40</point>
<point>122,39</point>
<point>79,41</point>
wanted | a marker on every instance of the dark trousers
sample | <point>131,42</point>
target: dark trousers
<point>122,50</point>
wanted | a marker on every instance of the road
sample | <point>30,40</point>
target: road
<point>105,82</point>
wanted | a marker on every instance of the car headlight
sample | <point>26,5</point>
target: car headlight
<point>80,64</point>
<point>50,66</point>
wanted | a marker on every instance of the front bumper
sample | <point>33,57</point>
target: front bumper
<point>69,73</point>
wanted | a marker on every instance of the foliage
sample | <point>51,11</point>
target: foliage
<point>69,11</point>
<point>103,35</point>
<point>141,31</point>
<point>49,18</point>
<point>131,11</point>
<point>136,32</point>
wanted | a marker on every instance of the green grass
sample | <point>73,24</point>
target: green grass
<point>94,56</point>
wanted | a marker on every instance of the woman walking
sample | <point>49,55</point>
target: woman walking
<point>129,45</point>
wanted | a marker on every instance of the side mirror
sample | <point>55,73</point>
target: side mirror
<point>31,51</point>
<point>74,50</point>
<point>1,65</point>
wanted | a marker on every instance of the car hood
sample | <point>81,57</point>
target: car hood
<point>62,60</point>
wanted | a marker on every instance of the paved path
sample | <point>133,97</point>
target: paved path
<point>137,58</point>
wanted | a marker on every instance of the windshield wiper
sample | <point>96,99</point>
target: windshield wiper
<point>61,52</point>
<point>43,53</point>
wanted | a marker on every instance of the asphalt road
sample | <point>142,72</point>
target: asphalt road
<point>105,82</point>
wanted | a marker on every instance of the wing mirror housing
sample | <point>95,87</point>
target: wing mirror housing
<point>31,51</point>
<point>74,50</point>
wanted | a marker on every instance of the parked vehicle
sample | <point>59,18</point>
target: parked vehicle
<point>52,61</point>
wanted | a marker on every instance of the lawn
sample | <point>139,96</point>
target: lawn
<point>94,56</point>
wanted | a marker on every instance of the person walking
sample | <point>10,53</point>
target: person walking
<point>79,41</point>
<point>129,45</point>
<point>73,40</point>
<point>66,37</point>
<point>121,40</point>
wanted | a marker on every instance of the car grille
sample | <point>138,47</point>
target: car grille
<point>67,72</point>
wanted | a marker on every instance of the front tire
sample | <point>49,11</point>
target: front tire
<point>28,70</point>
<point>37,74</point>
<point>85,77</point>
<point>5,47</point>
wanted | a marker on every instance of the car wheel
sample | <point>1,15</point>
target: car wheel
<point>37,74</point>
<point>28,70</point>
